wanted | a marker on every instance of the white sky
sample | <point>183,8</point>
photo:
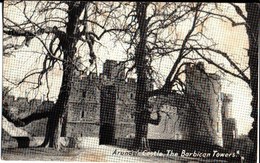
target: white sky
<point>230,39</point>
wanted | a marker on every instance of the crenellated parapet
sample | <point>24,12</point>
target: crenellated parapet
<point>23,104</point>
<point>226,97</point>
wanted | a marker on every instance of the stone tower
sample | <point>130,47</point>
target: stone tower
<point>84,106</point>
<point>205,115</point>
<point>229,123</point>
<point>195,115</point>
<point>226,105</point>
<point>114,70</point>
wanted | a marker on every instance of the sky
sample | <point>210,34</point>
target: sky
<point>230,39</point>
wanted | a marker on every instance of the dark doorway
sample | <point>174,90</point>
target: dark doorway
<point>107,115</point>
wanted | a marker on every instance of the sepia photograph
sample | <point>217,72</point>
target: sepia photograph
<point>129,81</point>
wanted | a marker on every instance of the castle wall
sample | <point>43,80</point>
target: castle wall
<point>21,107</point>
<point>197,117</point>
<point>183,121</point>
<point>194,121</point>
<point>82,129</point>
<point>84,103</point>
<point>83,107</point>
<point>125,108</point>
<point>84,112</point>
<point>229,132</point>
<point>199,123</point>
<point>169,127</point>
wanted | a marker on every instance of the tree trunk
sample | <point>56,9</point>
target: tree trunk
<point>68,41</point>
<point>56,138</point>
<point>68,45</point>
<point>141,141</point>
<point>252,20</point>
<point>47,133</point>
<point>142,114</point>
<point>53,129</point>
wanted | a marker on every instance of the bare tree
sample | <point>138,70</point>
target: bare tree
<point>152,31</point>
<point>252,28</point>
<point>251,23</point>
<point>155,34</point>
<point>62,28</point>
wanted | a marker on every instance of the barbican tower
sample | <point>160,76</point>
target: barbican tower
<point>194,116</point>
<point>206,116</point>
<point>229,123</point>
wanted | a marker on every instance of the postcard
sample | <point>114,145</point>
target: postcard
<point>113,81</point>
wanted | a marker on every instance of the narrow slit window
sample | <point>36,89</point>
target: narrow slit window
<point>84,94</point>
<point>131,96</point>
<point>82,114</point>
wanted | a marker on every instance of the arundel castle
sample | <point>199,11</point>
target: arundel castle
<point>105,104</point>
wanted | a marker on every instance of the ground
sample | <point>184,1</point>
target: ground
<point>103,154</point>
<point>92,151</point>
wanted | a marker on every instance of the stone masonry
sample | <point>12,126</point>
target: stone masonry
<point>22,107</point>
<point>84,103</point>
<point>200,115</point>
<point>195,116</point>
<point>205,123</point>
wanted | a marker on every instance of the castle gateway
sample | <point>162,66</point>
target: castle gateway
<point>104,105</point>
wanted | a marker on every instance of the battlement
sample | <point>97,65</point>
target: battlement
<point>91,77</point>
<point>226,97</point>
<point>213,76</point>
<point>113,71</point>
<point>197,66</point>
<point>198,81</point>
<point>23,101</point>
<point>226,105</point>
